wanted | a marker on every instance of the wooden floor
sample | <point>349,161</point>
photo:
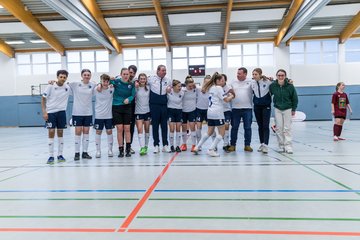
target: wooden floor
<point>311,194</point>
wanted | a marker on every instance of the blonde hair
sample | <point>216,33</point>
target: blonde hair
<point>175,82</point>
<point>338,85</point>
<point>143,75</point>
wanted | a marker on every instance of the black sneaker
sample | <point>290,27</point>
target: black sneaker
<point>77,157</point>
<point>177,149</point>
<point>128,154</point>
<point>132,151</point>
<point>172,149</point>
<point>85,155</point>
<point>121,152</point>
<point>225,148</point>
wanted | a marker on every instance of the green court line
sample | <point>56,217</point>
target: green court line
<point>250,218</point>
<point>32,170</point>
<point>23,216</point>
<point>189,199</point>
<point>321,174</point>
<point>257,199</point>
<point>69,199</point>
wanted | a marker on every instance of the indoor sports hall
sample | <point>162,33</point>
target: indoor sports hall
<point>296,176</point>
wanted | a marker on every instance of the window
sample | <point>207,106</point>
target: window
<point>146,59</point>
<point>95,61</point>
<point>38,63</point>
<point>250,54</point>
<point>210,56</point>
<point>352,50</point>
<point>313,52</point>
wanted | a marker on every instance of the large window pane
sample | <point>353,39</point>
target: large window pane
<point>352,56</point>
<point>313,46</point>
<point>158,62</point>
<point>102,67</point>
<point>144,53</point>
<point>54,58</point>
<point>23,58</point>
<point>266,60</point>
<point>180,63</point>
<point>330,46</point>
<point>159,53</point>
<point>87,56</point>
<point>102,56</point>
<point>39,69</point>
<point>74,67</point>
<point>129,54</point>
<point>53,68</point>
<point>38,58</point>
<point>213,62</point>
<point>180,52</point>
<point>234,62</point>
<point>128,63</point>
<point>145,65</point>
<point>250,61</point>
<point>250,49</point>
<point>266,48</point>
<point>73,56</point>
<point>24,70</point>
<point>297,59</point>
<point>352,45</point>
<point>297,47</point>
<point>196,51</point>
<point>313,58</point>
<point>234,50</point>
<point>213,51</point>
<point>196,61</point>
<point>88,65</point>
<point>330,58</point>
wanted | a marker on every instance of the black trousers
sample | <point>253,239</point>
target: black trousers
<point>262,115</point>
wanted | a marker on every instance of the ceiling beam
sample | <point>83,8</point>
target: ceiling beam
<point>95,11</point>
<point>161,20</point>
<point>351,28</point>
<point>17,8</point>
<point>294,8</point>
<point>6,49</point>
<point>129,11</point>
<point>227,22</point>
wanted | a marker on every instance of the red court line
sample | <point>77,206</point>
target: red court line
<point>84,230</point>
<point>257,232</point>
<point>146,196</point>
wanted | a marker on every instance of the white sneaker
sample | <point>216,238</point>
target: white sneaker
<point>260,148</point>
<point>199,149</point>
<point>98,154</point>
<point>336,138</point>
<point>166,149</point>
<point>264,149</point>
<point>156,149</point>
<point>289,150</point>
<point>212,153</point>
<point>281,150</point>
<point>110,153</point>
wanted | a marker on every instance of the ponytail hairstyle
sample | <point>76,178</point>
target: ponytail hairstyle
<point>338,85</point>
<point>189,80</point>
<point>216,76</point>
<point>143,75</point>
<point>263,77</point>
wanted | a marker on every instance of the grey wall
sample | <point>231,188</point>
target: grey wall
<point>315,102</point>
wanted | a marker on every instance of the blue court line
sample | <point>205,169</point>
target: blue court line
<point>192,190</point>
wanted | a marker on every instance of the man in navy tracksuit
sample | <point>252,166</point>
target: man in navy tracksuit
<point>159,85</point>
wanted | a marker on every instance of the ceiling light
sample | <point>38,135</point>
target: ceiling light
<point>1,7</point>
<point>195,34</point>
<point>126,37</point>
<point>37,41</point>
<point>321,27</point>
<point>153,36</point>
<point>267,30</point>
<point>239,31</point>
<point>14,42</point>
<point>79,39</point>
